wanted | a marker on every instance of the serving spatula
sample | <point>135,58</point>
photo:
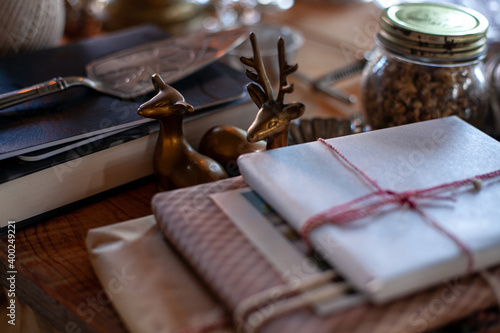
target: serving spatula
<point>127,74</point>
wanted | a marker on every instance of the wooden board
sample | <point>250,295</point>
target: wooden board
<point>54,276</point>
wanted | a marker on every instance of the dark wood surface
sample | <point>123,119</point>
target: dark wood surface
<point>54,276</point>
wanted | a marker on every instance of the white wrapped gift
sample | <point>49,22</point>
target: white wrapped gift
<point>395,250</point>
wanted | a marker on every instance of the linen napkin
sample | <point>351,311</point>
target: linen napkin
<point>148,284</point>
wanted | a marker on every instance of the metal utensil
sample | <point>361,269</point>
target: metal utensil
<point>127,74</point>
<point>323,84</point>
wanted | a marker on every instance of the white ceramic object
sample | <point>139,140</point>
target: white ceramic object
<point>29,25</point>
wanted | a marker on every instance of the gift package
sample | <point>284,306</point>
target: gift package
<point>394,230</point>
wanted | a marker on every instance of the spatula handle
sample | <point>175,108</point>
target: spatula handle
<point>37,90</point>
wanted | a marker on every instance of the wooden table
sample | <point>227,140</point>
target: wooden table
<point>54,276</point>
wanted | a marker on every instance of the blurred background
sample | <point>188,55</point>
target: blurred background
<point>87,17</point>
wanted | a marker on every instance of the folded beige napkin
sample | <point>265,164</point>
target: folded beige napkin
<point>149,286</point>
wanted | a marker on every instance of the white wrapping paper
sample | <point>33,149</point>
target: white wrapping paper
<point>390,254</point>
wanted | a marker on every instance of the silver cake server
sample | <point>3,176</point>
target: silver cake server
<point>127,74</point>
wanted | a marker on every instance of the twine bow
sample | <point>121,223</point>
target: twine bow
<point>380,198</point>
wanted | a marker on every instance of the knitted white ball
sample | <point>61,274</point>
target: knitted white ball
<point>28,25</point>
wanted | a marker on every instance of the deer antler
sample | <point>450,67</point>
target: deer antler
<point>263,92</point>
<point>273,118</point>
<point>285,70</point>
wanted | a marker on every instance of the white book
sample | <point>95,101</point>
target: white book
<point>24,199</point>
<point>390,254</point>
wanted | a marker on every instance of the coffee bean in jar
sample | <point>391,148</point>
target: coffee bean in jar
<point>428,63</point>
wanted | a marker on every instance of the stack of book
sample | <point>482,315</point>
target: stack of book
<point>64,147</point>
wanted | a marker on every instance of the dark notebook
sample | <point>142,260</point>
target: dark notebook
<point>80,112</point>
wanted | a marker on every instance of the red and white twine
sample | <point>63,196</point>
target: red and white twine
<point>380,198</point>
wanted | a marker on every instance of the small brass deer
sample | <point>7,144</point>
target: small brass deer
<point>225,144</point>
<point>273,118</point>
<point>176,164</point>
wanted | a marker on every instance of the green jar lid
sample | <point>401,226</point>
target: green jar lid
<point>431,30</point>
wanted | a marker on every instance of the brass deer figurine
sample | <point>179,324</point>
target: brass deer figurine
<point>225,144</point>
<point>273,118</point>
<point>176,164</point>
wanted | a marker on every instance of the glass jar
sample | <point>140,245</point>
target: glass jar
<point>492,123</point>
<point>428,63</point>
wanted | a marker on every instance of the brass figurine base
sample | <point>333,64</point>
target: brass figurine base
<point>225,143</point>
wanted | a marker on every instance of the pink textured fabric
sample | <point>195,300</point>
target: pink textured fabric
<point>234,270</point>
